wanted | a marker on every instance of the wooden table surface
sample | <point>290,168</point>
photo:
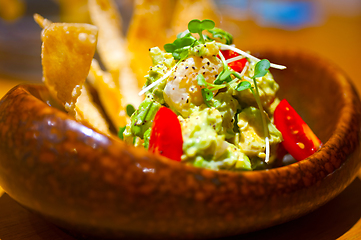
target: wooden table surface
<point>338,219</point>
<point>338,38</point>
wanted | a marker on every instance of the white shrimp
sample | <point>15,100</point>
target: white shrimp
<point>182,88</point>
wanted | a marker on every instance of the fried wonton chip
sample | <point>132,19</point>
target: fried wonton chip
<point>148,28</point>
<point>186,10</point>
<point>109,95</point>
<point>89,113</point>
<point>74,11</point>
<point>67,53</point>
<point>111,43</point>
<point>112,49</point>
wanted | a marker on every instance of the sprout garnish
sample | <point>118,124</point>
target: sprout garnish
<point>197,26</point>
<point>243,53</point>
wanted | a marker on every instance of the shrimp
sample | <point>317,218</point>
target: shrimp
<point>182,90</point>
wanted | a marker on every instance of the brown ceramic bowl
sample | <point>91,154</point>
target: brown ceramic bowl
<point>91,184</point>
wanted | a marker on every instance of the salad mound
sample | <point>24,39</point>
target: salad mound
<point>223,98</point>
<point>207,103</point>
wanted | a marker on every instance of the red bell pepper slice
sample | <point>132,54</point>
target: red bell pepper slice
<point>166,135</point>
<point>236,65</point>
<point>299,140</point>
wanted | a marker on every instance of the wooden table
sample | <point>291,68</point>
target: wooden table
<point>338,219</point>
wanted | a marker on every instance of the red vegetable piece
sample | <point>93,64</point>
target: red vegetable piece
<point>299,140</point>
<point>236,65</point>
<point>166,135</point>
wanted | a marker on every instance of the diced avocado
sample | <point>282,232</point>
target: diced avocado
<point>207,49</point>
<point>204,147</point>
<point>252,139</point>
<point>227,106</point>
<point>142,119</point>
<point>146,138</point>
<point>160,57</point>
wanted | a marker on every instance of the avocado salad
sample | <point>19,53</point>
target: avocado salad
<point>218,103</point>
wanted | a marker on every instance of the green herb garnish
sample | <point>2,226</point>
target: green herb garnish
<point>243,86</point>
<point>197,26</point>
<point>179,48</point>
<point>130,109</point>
<point>261,69</point>
<point>207,94</point>
<point>222,35</point>
<point>120,132</point>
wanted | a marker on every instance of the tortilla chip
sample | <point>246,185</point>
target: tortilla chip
<point>111,42</point>
<point>88,113</point>
<point>147,29</point>
<point>113,50</point>
<point>67,52</point>
<point>109,95</point>
<point>74,11</point>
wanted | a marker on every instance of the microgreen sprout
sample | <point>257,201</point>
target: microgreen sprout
<point>130,109</point>
<point>197,26</point>
<point>179,48</point>
<point>243,86</point>
<point>221,35</point>
<point>243,53</point>
<point>120,132</point>
<point>261,69</point>
<point>207,94</point>
<point>225,74</point>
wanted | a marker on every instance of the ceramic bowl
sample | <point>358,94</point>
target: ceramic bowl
<point>98,186</point>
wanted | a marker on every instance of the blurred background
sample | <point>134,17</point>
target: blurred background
<point>329,28</point>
